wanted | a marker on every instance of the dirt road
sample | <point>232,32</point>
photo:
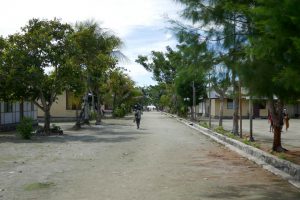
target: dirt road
<point>164,160</point>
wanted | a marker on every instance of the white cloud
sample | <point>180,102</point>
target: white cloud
<point>121,16</point>
<point>118,15</point>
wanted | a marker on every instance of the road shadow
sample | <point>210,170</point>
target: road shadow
<point>88,134</point>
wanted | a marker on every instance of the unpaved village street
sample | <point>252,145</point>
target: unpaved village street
<point>164,160</point>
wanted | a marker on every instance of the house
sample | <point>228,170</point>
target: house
<point>64,109</point>
<point>259,107</point>
<point>10,114</point>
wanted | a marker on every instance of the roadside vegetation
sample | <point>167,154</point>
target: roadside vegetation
<point>48,57</point>
<point>226,45</point>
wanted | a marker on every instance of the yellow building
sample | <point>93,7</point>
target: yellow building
<point>64,109</point>
<point>259,107</point>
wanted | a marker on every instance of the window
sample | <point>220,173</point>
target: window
<point>72,102</point>
<point>229,103</point>
<point>8,107</point>
<point>32,106</point>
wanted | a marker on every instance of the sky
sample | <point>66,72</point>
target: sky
<point>141,24</point>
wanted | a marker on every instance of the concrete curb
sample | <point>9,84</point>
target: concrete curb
<point>283,168</point>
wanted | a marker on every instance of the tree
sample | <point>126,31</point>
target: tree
<point>220,83</point>
<point>160,65</point>
<point>224,24</point>
<point>96,47</point>
<point>272,70</point>
<point>163,66</point>
<point>3,70</point>
<point>37,60</point>
<point>154,93</point>
<point>124,94</point>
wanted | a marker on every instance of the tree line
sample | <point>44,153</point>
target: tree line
<point>229,44</point>
<point>47,57</point>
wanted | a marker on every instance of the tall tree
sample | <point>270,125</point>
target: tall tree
<point>223,24</point>
<point>96,47</point>
<point>163,65</point>
<point>123,92</point>
<point>274,57</point>
<point>38,62</point>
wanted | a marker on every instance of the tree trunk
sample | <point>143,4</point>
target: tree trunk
<point>93,102</point>
<point>235,128</point>
<point>86,109</point>
<point>251,119</point>
<point>47,120</point>
<point>221,111</point>
<point>77,125</point>
<point>114,102</point>
<point>99,110</point>
<point>277,140</point>
<point>276,109</point>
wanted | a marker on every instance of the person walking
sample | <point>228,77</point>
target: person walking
<point>270,121</point>
<point>137,117</point>
<point>286,121</point>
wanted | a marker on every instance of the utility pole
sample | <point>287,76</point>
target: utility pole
<point>209,106</point>
<point>241,110</point>
<point>251,119</point>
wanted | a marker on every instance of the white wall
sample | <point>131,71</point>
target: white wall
<point>14,116</point>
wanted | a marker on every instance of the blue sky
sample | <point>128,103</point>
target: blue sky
<point>141,24</point>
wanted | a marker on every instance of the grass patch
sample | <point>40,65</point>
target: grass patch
<point>282,156</point>
<point>204,124</point>
<point>38,186</point>
<point>221,130</point>
<point>256,145</point>
<point>246,141</point>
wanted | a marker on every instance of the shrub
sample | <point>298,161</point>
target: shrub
<point>25,129</point>
<point>221,130</point>
<point>204,124</point>
<point>56,129</point>
<point>120,111</point>
<point>93,115</point>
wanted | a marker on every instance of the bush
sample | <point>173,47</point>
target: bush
<point>221,130</point>
<point>204,124</point>
<point>56,129</point>
<point>25,129</point>
<point>93,115</point>
<point>119,112</point>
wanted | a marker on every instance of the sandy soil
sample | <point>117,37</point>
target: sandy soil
<point>164,160</point>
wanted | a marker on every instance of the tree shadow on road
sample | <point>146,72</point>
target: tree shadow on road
<point>67,138</point>
<point>103,134</point>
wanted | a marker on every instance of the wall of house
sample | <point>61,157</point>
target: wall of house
<point>263,113</point>
<point>59,109</point>
<point>9,120</point>
<point>228,112</point>
<point>293,110</point>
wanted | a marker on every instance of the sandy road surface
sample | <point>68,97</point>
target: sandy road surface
<point>164,160</point>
